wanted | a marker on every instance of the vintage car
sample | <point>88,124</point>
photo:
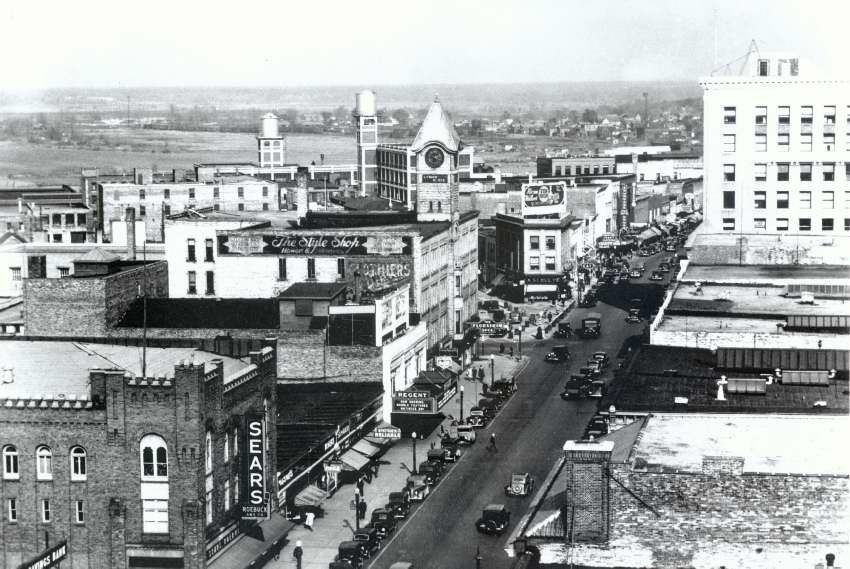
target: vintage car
<point>398,503</point>
<point>503,388</point>
<point>383,522</point>
<point>451,449</point>
<point>418,487</point>
<point>521,485</point>
<point>558,354</point>
<point>369,538</point>
<point>402,565</point>
<point>477,419</point>
<point>663,268</point>
<point>635,274</point>
<point>490,405</point>
<point>590,370</point>
<point>466,434</point>
<point>577,386</point>
<point>352,552</point>
<point>656,276</point>
<point>597,426</point>
<point>494,520</point>
<point>431,470</point>
<point>601,357</point>
<point>633,316</point>
<point>345,564</point>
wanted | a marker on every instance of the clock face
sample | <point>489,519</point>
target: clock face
<point>434,157</point>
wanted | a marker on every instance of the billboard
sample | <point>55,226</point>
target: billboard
<point>416,402</point>
<point>311,244</point>
<point>541,198</point>
<point>255,504</point>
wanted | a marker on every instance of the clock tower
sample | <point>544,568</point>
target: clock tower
<point>435,159</point>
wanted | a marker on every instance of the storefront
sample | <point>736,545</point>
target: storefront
<point>417,409</point>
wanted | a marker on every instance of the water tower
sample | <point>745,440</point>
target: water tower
<point>270,145</point>
<point>365,115</point>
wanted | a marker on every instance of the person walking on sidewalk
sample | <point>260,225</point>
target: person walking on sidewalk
<point>492,446</point>
<point>297,553</point>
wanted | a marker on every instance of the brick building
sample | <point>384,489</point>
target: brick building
<point>131,471</point>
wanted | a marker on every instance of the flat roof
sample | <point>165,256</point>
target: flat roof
<point>748,299</point>
<point>311,290</point>
<point>225,313</point>
<point>767,274</point>
<point>43,370</point>
<point>774,444</point>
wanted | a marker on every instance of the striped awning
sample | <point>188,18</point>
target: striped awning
<point>353,460</point>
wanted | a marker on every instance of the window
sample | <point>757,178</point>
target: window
<point>340,268</point>
<point>240,191</point>
<point>265,191</point>
<point>828,169</point>
<point>81,219</point>
<point>828,141</point>
<point>79,512</point>
<point>759,223</point>
<point>193,282</point>
<point>215,192</point>
<point>805,224</point>
<point>166,209</point>
<point>784,115</point>
<point>166,194</point>
<point>847,224</point>
<point>241,207</point>
<point>550,263</point>
<point>44,463</point>
<point>805,199</point>
<point>191,193</point>
<point>827,224</point>
<point>534,263</point>
<point>761,115</point>
<point>806,142</point>
<point>78,463</point>
<point>226,495</point>
<point>12,509</point>
<point>57,238</point>
<point>728,224</point>
<point>782,170</point>
<point>64,272</point>
<point>760,199</point>
<point>190,250</point>
<point>760,172</point>
<point>265,206</point>
<point>155,516</point>
<point>10,463</point>
<point>550,243</point>
<point>805,115</point>
<point>281,269</point>
<point>828,199</point>
<point>154,457</point>
<point>208,505</point>
<point>141,193</point>
<point>142,211</point>
<point>210,282</point>
<point>782,224</point>
<point>784,142</point>
<point>235,442</point>
<point>457,285</point>
<point>729,115</point>
<point>728,172</point>
<point>764,67</point>
<point>311,268</point>
<point>782,200</point>
<point>728,143</point>
<point>208,245</point>
<point>728,200</point>
<point>45,511</point>
<point>829,114</point>
<point>847,167</point>
<point>208,455</point>
<point>805,171</point>
<point>534,242</point>
<point>226,447</point>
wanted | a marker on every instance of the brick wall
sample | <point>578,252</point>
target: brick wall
<point>587,508</point>
<point>303,355</point>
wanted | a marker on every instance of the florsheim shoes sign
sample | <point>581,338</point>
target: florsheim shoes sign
<point>255,505</point>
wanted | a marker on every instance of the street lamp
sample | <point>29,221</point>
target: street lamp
<point>413,436</point>
<point>612,411</point>
<point>461,404</point>
<point>356,509</point>
<point>492,370</point>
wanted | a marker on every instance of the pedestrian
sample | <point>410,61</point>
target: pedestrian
<point>501,348</point>
<point>308,520</point>
<point>297,553</point>
<point>493,442</point>
<point>481,373</point>
<point>375,471</point>
<point>360,485</point>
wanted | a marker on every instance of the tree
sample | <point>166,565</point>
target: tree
<point>589,115</point>
<point>402,116</point>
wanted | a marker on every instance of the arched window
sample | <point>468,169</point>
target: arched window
<point>43,463</point>
<point>235,441</point>
<point>226,447</point>
<point>154,458</point>
<point>78,463</point>
<point>10,463</point>
<point>208,454</point>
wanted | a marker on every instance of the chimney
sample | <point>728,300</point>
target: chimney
<point>830,560</point>
<point>130,220</point>
<point>586,510</point>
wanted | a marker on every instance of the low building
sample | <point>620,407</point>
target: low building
<point>150,465</point>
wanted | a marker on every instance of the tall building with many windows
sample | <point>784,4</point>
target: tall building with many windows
<point>777,150</point>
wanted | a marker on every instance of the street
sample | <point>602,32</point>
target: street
<point>530,432</point>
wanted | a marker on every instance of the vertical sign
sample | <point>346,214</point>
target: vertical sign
<point>255,504</point>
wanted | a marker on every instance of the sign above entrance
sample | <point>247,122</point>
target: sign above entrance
<point>417,402</point>
<point>50,557</point>
<point>389,432</point>
<point>312,244</point>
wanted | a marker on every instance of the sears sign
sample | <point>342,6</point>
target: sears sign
<point>255,505</point>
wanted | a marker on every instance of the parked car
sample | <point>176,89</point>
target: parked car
<point>477,419</point>
<point>383,522</point>
<point>633,316</point>
<point>656,276</point>
<point>635,274</point>
<point>418,487</point>
<point>431,470</point>
<point>494,520</point>
<point>520,485</point>
<point>370,539</point>
<point>602,358</point>
<point>398,503</point>
<point>504,388</point>
<point>663,268</point>
<point>352,552</point>
<point>402,565</point>
<point>598,426</point>
<point>577,387</point>
<point>591,370</point>
<point>344,564</point>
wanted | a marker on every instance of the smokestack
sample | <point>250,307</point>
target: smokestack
<point>130,220</point>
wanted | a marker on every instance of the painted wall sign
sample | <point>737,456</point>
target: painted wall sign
<point>254,505</point>
<point>48,558</point>
<point>317,244</point>
<point>376,276</point>
<point>539,195</point>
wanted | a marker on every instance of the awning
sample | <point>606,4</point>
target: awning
<point>354,460</point>
<point>452,367</point>
<point>311,495</point>
<point>366,448</point>
<point>646,234</point>
<point>247,552</point>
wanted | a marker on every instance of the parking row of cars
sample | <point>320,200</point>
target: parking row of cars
<point>588,381</point>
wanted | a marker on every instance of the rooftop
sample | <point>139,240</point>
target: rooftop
<point>773,444</point>
<point>226,313</point>
<point>312,290</point>
<point>748,300</point>
<point>766,274</point>
<point>49,369</point>
<point>437,127</point>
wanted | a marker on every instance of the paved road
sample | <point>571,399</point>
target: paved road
<point>530,432</point>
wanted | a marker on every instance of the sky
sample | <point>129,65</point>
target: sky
<point>283,43</point>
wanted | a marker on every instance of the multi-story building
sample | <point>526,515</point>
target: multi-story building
<point>46,214</point>
<point>550,167</point>
<point>130,464</point>
<point>777,150</point>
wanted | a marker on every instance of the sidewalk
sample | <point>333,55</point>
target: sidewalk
<point>320,545</point>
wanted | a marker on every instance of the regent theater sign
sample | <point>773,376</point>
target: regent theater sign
<point>312,244</point>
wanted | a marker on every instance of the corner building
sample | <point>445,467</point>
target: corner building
<point>777,150</point>
<point>130,471</point>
